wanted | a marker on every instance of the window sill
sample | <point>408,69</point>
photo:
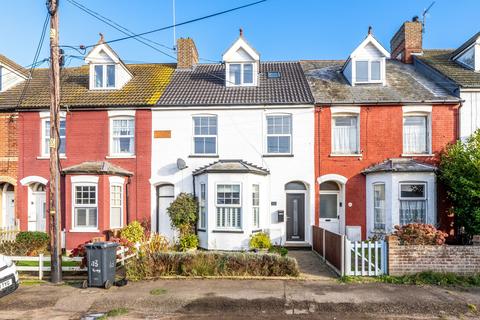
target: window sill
<point>278,155</point>
<point>256,230</point>
<point>48,157</point>
<point>122,157</point>
<point>204,156</point>
<point>201,230</point>
<point>358,155</point>
<point>418,155</point>
<point>84,230</point>
<point>227,231</point>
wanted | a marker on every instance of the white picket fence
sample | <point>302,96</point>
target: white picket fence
<point>365,258</point>
<point>41,259</point>
<point>8,233</point>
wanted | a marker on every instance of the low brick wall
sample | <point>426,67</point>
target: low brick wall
<point>407,259</point>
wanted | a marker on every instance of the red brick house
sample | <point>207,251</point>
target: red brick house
<point>379,129</point>
<point>105,150</point>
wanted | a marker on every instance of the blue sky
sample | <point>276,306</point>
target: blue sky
<point>278,29</point>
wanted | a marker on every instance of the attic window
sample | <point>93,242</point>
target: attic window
<point>273,74</point>
<point>240,74</point>
<point>104,76</point>
<point>368,71</point>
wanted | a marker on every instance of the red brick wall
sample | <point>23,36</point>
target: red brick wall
<point>8,149</point>
<point>381,137</point>
<point>87,139</point>
<point>403,259</point>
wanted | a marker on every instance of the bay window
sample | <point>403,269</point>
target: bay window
<point>413,203</point>
<point>202,217</point>
<point>229,206</point>
<point>85,205</point>
<point>279,134</point>
<point>116,206</point>
<point>416,134</point>
<point>379,206</point>
<point>345,135</point>
<point>256,205</point>
<point>205,135</point>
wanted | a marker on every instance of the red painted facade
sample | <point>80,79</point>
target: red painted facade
<point>87,139</point>
<point>381,138</point>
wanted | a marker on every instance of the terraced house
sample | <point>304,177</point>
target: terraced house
<point>379,128</point>
<point>105,148</point>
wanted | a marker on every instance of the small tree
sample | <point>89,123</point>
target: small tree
<point>183,213</point>
<point>460,172</point>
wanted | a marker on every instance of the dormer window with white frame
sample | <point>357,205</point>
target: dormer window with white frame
<point>107,70</point>
<point>468,54</point>
<point>241,64</point>
<point>367,63</point>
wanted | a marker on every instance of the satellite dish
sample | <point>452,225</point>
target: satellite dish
<point>181,164</point>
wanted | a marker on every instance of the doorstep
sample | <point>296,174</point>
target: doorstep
<point>298,245</point>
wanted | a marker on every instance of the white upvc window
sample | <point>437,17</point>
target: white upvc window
<point>205,129</point>
<point>345,134</point>
<point>229,206</point>
<point>104,76</point>
<point>368,71</point>
<point>413,202</point>
<point>256,205</point>
<point>240,74</point>
<point>116,205</point>
<point>45,144</point>
<point>202,216</point>
<point>416,133</point>
<point>279,134</point>
<point>379,214</point>
<point>122,136</point>
<point>85,206</point>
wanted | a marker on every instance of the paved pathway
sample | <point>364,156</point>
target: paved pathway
<point>312,266</point>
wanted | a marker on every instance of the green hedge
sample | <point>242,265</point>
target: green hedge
<point>200,263</point>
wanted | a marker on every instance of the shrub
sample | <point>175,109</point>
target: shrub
<point>188,241</point>
<point>183,213</point>
<point>278,250</point>
<point>260,240</point>
<point>420,234</point>
<point>157,243</point>
<point>133,232</point>
<point>36,242</point>
<point>209,263</point>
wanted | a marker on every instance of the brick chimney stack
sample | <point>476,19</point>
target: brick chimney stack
<point>187,55</point>
<point>407,41</point>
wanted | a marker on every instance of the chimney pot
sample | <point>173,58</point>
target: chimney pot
<point>187,54</point>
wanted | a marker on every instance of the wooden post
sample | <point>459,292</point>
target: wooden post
<point>40,266</point>
<point>54,201</point>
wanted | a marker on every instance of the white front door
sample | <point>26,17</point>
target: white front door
<point>330,211</point>
<point>10,209</point>
<point>40,211</point>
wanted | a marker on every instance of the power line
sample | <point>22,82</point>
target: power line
<point>120,28</point>
<point>181,23</point>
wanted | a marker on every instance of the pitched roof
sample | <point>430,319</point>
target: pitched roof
<point>205,85</point>
<point>14,66</point>
<point>97,167</point>
<point>403,85</point>
<point>467,44</point>
<point>231,166</point>
<point>440,60</point>
<point>145,88</point>
<point>400,165</point>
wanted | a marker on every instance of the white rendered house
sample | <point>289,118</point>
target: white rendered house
<point>237,135</point>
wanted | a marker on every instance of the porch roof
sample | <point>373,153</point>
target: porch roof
<point>231,166</point>
<point>400,165</point>
<point>96,167</point>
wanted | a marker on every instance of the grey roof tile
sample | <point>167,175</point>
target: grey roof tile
<point>96,167</point>
<point>231,166</point>
<point>400,165</point>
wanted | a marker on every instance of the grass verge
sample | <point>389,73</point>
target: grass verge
<point>114,313</point>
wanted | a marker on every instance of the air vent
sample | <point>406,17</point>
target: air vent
<point>273,74</point>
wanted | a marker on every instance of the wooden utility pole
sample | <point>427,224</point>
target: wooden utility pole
<point>54,200</point>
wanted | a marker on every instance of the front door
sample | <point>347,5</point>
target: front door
<point>295,217</point>
<point>40,211</point>
<point>330,211</point>
<point>165,197</point>
<point>10,209</point>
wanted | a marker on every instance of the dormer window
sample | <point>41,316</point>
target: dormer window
<point>240,74</point>
<point>468,54</point>
<point>368,71</point>
<point>104,77</point>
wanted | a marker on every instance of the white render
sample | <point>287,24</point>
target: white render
<point>392,182</point>
<point>241,135</point>
<point>9,78</point>
<point>469,112</point>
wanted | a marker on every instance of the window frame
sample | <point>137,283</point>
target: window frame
<point>43,143</point>
<point>242,74</point>
<point>203,135</point>
<point>369,70</point>
<point>202,204</point>
<point>332,140</point>
<point>375,184</point>
<point>117,184</point>
<point>111,139</point>
<point>239,205</point>
<point>104,76</point>
<point>75,227</point>
<point>267,135</point>
<point>256,216</point>
<point>428,116</point>
<point>400,184</point>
